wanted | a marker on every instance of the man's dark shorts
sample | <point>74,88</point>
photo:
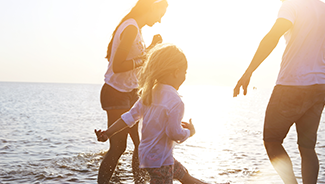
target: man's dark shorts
<point>302,105</point>
<point>110,98</point>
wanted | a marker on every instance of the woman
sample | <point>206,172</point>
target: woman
<point>125,54</point>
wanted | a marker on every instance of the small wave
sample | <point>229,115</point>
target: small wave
<point>245,172</point>
<point>3,141</point>
<point>7,148</point>
<point>26,175</point>
<point>61,169</point>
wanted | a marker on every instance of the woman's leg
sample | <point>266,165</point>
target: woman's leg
<point>116,149</point>
<point>138,173</point>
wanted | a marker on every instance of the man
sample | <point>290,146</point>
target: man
<point>299,95</point>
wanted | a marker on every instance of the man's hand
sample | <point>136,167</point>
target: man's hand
<point>268,43</point>
<point>243,82</point>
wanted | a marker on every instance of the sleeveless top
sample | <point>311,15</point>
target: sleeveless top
<point>125,81</point>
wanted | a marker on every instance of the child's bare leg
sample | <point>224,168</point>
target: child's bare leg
<point>182,175</point>
<point>188,179</point>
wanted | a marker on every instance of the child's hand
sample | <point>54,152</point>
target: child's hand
<point>189,126</point>
<point>101,136</point>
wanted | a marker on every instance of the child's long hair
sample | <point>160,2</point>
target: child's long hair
<point>140,8</point>
<point>162,60</point>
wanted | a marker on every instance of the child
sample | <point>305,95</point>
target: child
<point>161,110</point>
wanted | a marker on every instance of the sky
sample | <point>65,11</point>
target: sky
<point>65,41</point>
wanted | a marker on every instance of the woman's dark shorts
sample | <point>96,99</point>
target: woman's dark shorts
<point>302,105</point>
<point>111,98</point>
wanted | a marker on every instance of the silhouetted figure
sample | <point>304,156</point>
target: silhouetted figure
<point>299,95</point>
<point>119,93</point>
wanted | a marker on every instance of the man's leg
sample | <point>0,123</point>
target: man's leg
<point>304,106</point>
<point>307,127</point>
<point>309,165</point>
<point>281,113</point>
<point>280,161</point>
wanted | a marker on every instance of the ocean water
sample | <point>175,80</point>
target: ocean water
<point>46,136</point>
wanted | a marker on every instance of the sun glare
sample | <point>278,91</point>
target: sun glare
<point>219,38</point>
<point>207,106</point>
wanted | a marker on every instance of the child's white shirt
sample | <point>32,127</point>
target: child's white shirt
<point>161,126</point>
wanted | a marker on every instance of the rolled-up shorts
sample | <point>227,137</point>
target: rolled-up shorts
<point>299,105</point>
<point>110,98</point>
<point>166,174</point>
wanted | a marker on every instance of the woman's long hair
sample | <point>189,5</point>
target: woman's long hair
<point>162,60</point>
<point>140,8</point>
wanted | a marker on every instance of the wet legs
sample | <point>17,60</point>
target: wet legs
<point>280,161</point>
<point>117,147</point>
<point>309,165</point>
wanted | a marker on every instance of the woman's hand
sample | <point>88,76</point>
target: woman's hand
<point>189,126</point>
<point>156,39</point>
<point>101,136</point>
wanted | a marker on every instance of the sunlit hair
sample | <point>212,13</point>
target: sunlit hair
<point>162,60</point>
<point>139,9</point>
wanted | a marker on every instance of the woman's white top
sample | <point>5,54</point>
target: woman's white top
<point>161,126</point>
<point>125,81</point>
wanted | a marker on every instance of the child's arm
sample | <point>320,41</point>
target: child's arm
<point>117,126</point>
<point>127,119</point>
<point>174,129</point>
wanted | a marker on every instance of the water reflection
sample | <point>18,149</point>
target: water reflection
<point>46,136</point>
